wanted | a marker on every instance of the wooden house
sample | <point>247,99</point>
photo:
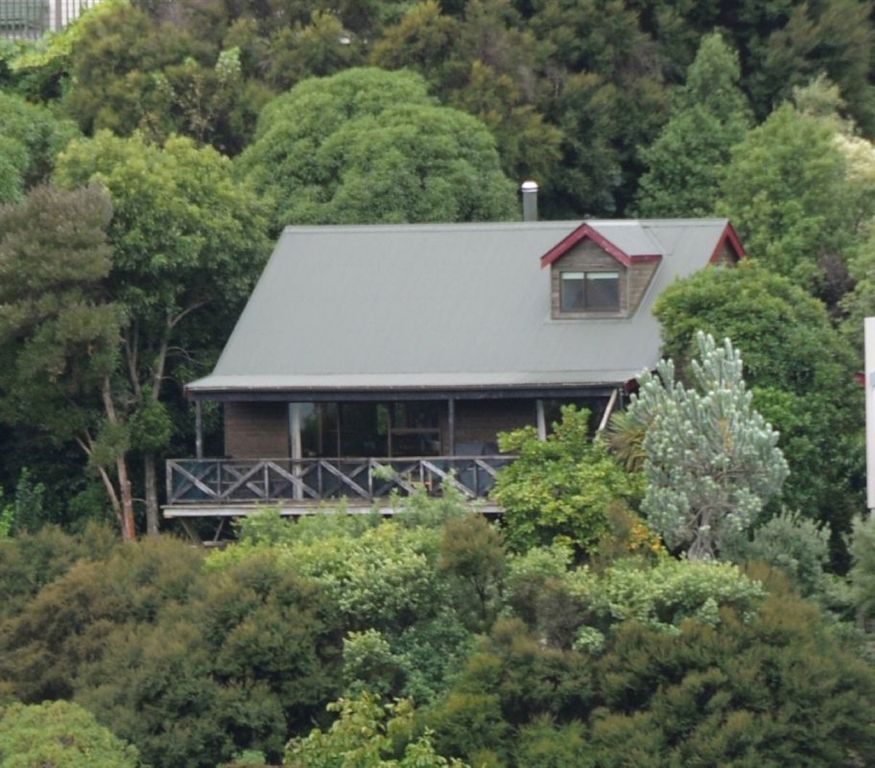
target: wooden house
<point>369,358</point>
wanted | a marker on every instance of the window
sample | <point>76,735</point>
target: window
<point>590,292</point>
<point>416,429</point>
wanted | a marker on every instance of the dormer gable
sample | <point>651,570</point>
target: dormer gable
<point>601,271</point>
<point>729,250</point>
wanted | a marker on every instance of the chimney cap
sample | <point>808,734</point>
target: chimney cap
<point>529,186</point>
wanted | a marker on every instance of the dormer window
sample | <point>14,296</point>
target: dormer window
<point>595,291</point>
<point>593,278</point>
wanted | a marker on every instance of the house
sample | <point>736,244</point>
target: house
<point>370,357</point>
<point>31,19</point>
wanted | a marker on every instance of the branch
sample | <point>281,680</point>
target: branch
<point>88,447</point>
<point>132,349</point>
<point>172,322</point>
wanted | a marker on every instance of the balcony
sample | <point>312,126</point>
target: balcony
<point>232,487</point>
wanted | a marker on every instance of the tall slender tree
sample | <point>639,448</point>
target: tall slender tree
<point>188,243</point>
<point>710,115</point>
<point>59,335</point>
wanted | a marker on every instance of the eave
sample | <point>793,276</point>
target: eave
<point>586,232</point>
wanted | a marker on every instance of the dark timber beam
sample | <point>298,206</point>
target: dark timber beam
<point>392,395</point>
<point>451,426</point>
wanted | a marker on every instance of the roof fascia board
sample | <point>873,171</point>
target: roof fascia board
<point>478,393</point>
<point>585,231</point>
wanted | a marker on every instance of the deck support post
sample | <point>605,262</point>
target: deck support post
<point>542,421</point>
<point>451,426</point>
<point>198,430</point>
<point>295,449</point>
<point>609,409</point>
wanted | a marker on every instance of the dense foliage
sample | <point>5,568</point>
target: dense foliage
<point>511,659</point>
<point>799,369</point>
<point>148,154</point>
<point>560,488</point>
<point>59,734</point>
<point>367,147</point>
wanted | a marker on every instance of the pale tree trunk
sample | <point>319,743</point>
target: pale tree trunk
<point>120,499</point>
<point>151,482</point>
<point>126,496</point>
<point>153,390</point>
<point>129,530</point>
<point>150,474</point>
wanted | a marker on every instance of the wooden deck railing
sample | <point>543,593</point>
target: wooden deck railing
<point>200,481</point>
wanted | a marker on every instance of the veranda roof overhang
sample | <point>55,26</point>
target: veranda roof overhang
<point>410,387</point>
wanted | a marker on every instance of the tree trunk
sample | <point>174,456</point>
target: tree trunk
<point>129,529</point>
<point>151,481</point>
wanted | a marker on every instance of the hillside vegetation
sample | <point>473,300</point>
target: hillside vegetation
<point>696,587</point>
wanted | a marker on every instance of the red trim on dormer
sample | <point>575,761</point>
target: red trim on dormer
<point>585,231</point>
<point>729,236</point>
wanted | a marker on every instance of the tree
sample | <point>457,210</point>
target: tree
<point>161,69</point>
<point>784,190</point>
<point>56,734</point>
<point>367,146</point>
<point>318,49</point>
<point>59,337</point>
<point>483,63</point>
<point>560,488</point>
<point>799,369</point>
<point>711,460</point>
<point>776,687</point>
<point>603,88</point>
<point>30,139</point>
<point>792,543</point>
<point>188,243</point>
<point>366,734</point>
<point>709,116</point>
<point>833,37</point>
<point>422,40</point>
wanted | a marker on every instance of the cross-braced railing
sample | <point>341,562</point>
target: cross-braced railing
<point>199,481</point>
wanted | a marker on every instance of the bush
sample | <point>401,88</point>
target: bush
<point>560,488</point>
<point>59,735</point>
<point>790,542</point>
<point>779,689</point>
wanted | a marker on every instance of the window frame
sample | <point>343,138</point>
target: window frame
<point>585,277</point>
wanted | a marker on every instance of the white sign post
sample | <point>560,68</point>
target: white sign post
<point>869,382</point>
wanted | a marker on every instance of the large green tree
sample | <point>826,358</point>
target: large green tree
<point>560,488</point>
<point>30,139</point>
<point>785,191</point>
<point>188,243</point>
<point>59,335</point>
<point>709,116</point>
<point>162,69</point>
<point>799,369</point>
<point>369,146</point>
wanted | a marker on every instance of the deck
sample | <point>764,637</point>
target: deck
<point>234,487</point>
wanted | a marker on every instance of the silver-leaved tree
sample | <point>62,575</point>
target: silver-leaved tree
<point>711,461</point>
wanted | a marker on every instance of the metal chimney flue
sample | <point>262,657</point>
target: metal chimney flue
<point>530,200</point>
